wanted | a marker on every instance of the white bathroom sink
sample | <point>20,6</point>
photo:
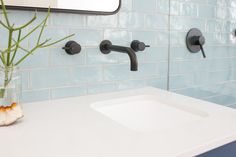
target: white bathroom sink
<point>147,113</point>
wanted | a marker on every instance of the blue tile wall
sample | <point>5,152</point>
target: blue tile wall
<point>212,79</point>
<point>51,73</point>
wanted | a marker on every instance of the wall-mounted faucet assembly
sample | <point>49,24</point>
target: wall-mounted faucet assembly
<point>72,48</point>
<point>195,41</point>
<point>106,47</point>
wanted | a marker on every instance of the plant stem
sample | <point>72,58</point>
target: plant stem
<point>27,24</point>
<point>43,27</point>
<point>17,46</point>
<point>53,43</point>
<point>9,46</point>
<point>29,53</point>
<point>7,80</point>
<point>8,55</point>
<point>5,13</point>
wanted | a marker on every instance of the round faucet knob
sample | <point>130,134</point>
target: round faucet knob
<point>72,48</point>
<point>104,46</point>
<point>138,46</point>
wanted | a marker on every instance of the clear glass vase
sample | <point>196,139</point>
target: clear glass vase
<point>10,92</point>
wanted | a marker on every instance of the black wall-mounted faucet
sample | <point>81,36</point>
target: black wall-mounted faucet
<point>195,41</point>
<point>72,48</point>
<point>106,47</point>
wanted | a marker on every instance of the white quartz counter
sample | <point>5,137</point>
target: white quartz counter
<point>72,128</point>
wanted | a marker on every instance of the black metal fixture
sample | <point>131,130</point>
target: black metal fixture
<point>72,48</point>
<point>106,47</point>
<point>195,41</point>
<point>65,9</point>
<point>136,45</point>
<point>234,33</point>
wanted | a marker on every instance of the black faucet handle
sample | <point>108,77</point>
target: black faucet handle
<point>203,52</point>
<point>72,48</point>
<point>195,41</point>
<point>199,40</point>
<point>104,46</point>
<point>136,45</point>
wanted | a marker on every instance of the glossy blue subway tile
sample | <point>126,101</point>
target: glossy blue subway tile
<point>131,20</point>
<point>37,95</point>
<point>140,5</point>
<point>118,37</point>
<point>102,21</point>
<point>157,82</point>
<point>86,74</point>
<point>102,88</point>
<point>156,21</point>
<point>72,20</point>
<point>94,56</point>
<point>58,57</point>
<point>222,100</point>
<point>65,92</point>
<point>117,72</point>
<point>162,6</point>
<point>87,37</point>
<point>131,84</point>
<point>38,59</point>
<point>52,77</point>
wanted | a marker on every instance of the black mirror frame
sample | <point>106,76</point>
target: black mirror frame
<point>65,10</point>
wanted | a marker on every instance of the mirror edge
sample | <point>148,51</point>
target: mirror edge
<point>55,10</point>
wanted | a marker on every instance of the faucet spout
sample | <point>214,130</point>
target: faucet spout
<point>131,54</point>
<point>106,47</point>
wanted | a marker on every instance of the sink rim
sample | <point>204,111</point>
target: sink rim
<point>146,113</point>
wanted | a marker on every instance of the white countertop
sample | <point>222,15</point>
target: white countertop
<point>71,128</point>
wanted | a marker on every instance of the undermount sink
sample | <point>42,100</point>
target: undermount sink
<point>148,113</point>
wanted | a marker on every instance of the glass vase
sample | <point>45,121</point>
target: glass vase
<point>10,92</point>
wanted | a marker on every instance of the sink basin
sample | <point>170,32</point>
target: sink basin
<point>146,113</point>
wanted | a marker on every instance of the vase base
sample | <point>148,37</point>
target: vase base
<point>10,114</point>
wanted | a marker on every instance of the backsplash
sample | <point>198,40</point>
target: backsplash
<point>51,73</point>
<point>212,78</point>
